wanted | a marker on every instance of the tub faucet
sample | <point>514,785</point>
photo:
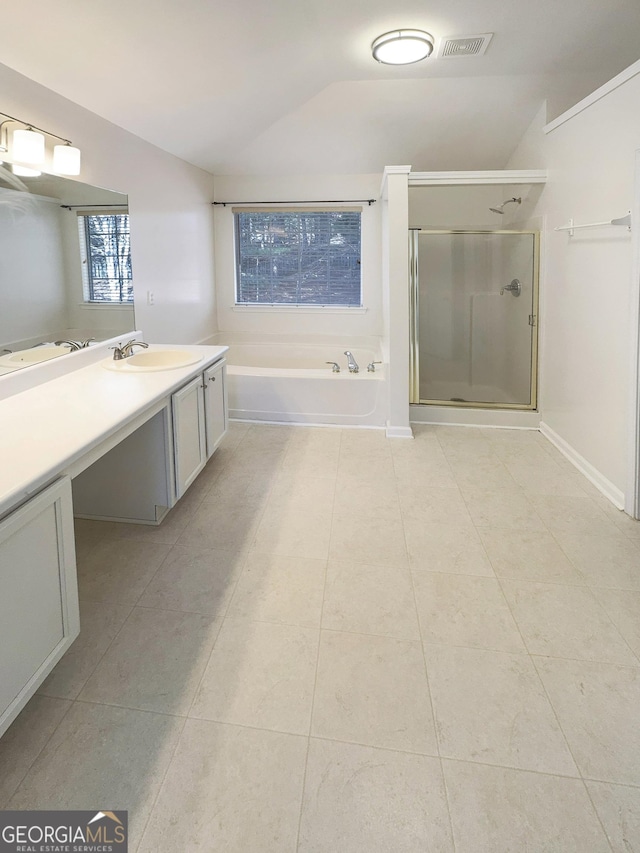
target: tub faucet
<point>336,366</point>
<point>352,363</point>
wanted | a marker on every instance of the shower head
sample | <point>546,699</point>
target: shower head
<point>500,208</point>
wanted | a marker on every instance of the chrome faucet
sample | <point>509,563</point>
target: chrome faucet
<point>126,350</point>
<point>351,362</point>
<point>75,345</point>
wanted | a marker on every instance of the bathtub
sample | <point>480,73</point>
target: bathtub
<point>286,380</point>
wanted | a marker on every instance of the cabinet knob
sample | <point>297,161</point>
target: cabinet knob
<point>213,378</point>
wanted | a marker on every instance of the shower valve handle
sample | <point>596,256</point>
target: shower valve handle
<point>515,288</point>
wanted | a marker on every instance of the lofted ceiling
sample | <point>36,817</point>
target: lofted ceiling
<point>290,87</point>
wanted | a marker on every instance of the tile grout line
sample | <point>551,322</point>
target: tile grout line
<point>553,709</point>
<point>591,587</point>
<point>541,683</point>
<point>143,830</point>
<point>315,680</point>
<point>581,776</point>
<point>429,690</point>
<point>555,714</point>
<point>558,657</point>
<point>195,694</point>
<point>46,743</point>
<point>117,634</point>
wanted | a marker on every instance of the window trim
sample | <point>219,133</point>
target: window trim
<point>297,308</point>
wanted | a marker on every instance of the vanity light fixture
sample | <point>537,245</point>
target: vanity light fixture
<point>28,147</point>
<point>402,47</point>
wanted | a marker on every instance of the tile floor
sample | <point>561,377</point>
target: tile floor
<point>341,643</point>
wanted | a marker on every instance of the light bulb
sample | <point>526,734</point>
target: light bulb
<point>66,160</point>
<point>402,47</point>
<point>28,146</point>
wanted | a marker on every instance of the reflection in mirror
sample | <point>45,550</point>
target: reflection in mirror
<point>65,267</point>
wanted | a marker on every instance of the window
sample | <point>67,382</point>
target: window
<point>106,257</point>
<point>299,257</point>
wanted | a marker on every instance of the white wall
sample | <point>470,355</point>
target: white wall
<point>169,203</point>
<point>463,207</point>
<point>298,320</point>
<point>395,274</point>
<point>587,278</point>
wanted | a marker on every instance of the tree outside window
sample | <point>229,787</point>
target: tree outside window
<point>298,257</point>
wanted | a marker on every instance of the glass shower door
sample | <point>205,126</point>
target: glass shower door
<point>474,310</point>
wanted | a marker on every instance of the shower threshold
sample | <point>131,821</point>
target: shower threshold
<point>475,414</point>
<point>459,402</point>
<point>474,395</point>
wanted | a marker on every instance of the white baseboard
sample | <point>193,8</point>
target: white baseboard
<point>399,432</point>
<point>237,419</point>
<point>608,489</point>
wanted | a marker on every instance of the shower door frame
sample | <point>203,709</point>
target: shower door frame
<point>414,343</point>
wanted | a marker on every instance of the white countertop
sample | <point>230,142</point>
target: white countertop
<point>45,429</point>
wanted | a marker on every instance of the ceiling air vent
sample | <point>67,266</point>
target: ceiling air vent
<point>453,46</point>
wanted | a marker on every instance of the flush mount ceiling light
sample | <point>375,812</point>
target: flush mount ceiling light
<point>28,147</point>
<point>402,47</point>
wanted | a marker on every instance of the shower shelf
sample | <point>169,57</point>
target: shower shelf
<point>625,221</point>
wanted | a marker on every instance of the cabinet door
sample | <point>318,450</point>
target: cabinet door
<point>187,406</point>
<point>39,614</point>
<point>215,404</point>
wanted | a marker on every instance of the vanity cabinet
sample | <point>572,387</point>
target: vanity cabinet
<point>189,433</point>
<point>215,405</point>
<point>39,614</point>
<point>199,423</point>
<point>144,474</point>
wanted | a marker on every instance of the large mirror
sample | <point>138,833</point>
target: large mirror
<point>65,267</point>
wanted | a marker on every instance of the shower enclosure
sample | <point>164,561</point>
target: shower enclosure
<point>474,318</point>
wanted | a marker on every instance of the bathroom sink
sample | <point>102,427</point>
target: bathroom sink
<point>153,359</point>
<point>24,357</point>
